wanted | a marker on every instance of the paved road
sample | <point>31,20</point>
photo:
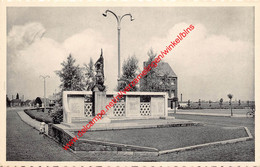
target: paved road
<point>24,143</point>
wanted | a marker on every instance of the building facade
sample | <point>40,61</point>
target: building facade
<point>168,80</point>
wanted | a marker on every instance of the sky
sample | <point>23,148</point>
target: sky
<point>215,59</point>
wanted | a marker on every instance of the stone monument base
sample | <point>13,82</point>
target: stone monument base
<point>104,120</point>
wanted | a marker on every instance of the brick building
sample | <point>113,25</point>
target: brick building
<point>168,79</point>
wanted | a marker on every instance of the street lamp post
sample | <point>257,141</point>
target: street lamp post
<point>44,77</point>
<point>118,18</point>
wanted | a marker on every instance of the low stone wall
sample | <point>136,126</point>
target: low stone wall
<point>90,145</point>
<point>60,135</point>
<point>64,136</point>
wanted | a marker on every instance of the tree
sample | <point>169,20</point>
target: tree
<point>221,102</point>
<point>130,69</point>
<point>89,75</point>
<point>239,102</point>
<point>70,75</point>
<point>8,102</point>
<point>230,96</point>
<point>38,101</point>
<point>188,103</point>
<point>152,82</point>
<point>17,96</point>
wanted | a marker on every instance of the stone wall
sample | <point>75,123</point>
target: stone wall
<point>64,136</point>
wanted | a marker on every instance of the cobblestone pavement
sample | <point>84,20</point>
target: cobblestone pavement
<point>25,144</point>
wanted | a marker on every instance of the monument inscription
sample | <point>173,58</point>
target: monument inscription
<point>76,105</point>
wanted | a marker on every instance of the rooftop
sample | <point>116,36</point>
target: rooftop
<point>164,68</point>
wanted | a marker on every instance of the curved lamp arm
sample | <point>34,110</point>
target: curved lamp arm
<point>46,76</point>
<point>118,18</point>
<point>131,17</point>
<point>105,14</point>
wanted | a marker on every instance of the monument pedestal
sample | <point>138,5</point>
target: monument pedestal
<point>104,120</point>
<point>99,103</point>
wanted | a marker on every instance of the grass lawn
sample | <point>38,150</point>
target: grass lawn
<point>168,138</point>
<point>39,115</point>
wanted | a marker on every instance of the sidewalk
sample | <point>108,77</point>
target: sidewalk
<point>27,119</point>
<point>209,114</point>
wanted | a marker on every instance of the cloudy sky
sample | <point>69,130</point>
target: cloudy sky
<point>215,59</point>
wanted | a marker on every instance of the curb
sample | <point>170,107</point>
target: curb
<point>128,153</point>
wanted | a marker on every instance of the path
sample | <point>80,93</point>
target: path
<point>25,144</point>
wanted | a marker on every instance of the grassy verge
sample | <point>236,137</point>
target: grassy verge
<point>168,138</point>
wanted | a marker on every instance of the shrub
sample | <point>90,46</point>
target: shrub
<point>57,115</point>
<point>39,116</point>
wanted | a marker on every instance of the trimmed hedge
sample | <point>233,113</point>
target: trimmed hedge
<point>39,115</point>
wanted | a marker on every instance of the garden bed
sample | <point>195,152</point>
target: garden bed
<point>39,115</point>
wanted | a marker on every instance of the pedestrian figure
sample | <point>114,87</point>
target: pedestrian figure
<point>42,129</point>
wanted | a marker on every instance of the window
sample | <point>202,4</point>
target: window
<point>172,82</point>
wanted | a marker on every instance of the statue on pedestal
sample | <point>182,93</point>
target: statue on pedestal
<point>99,67</point>
<point>99,89</point>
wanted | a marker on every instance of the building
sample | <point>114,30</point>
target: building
<point>28,103</point>
<point>164,69</point>
<point>16,103</point>
<point>167,79</point>
<point>183,104</point>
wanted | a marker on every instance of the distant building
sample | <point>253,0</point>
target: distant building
<point>183,104</point>
<point>28,103</point>
<point>16,103</point>
<point>164,69</point>
<point>53,99</point>
<point>48,101</point>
